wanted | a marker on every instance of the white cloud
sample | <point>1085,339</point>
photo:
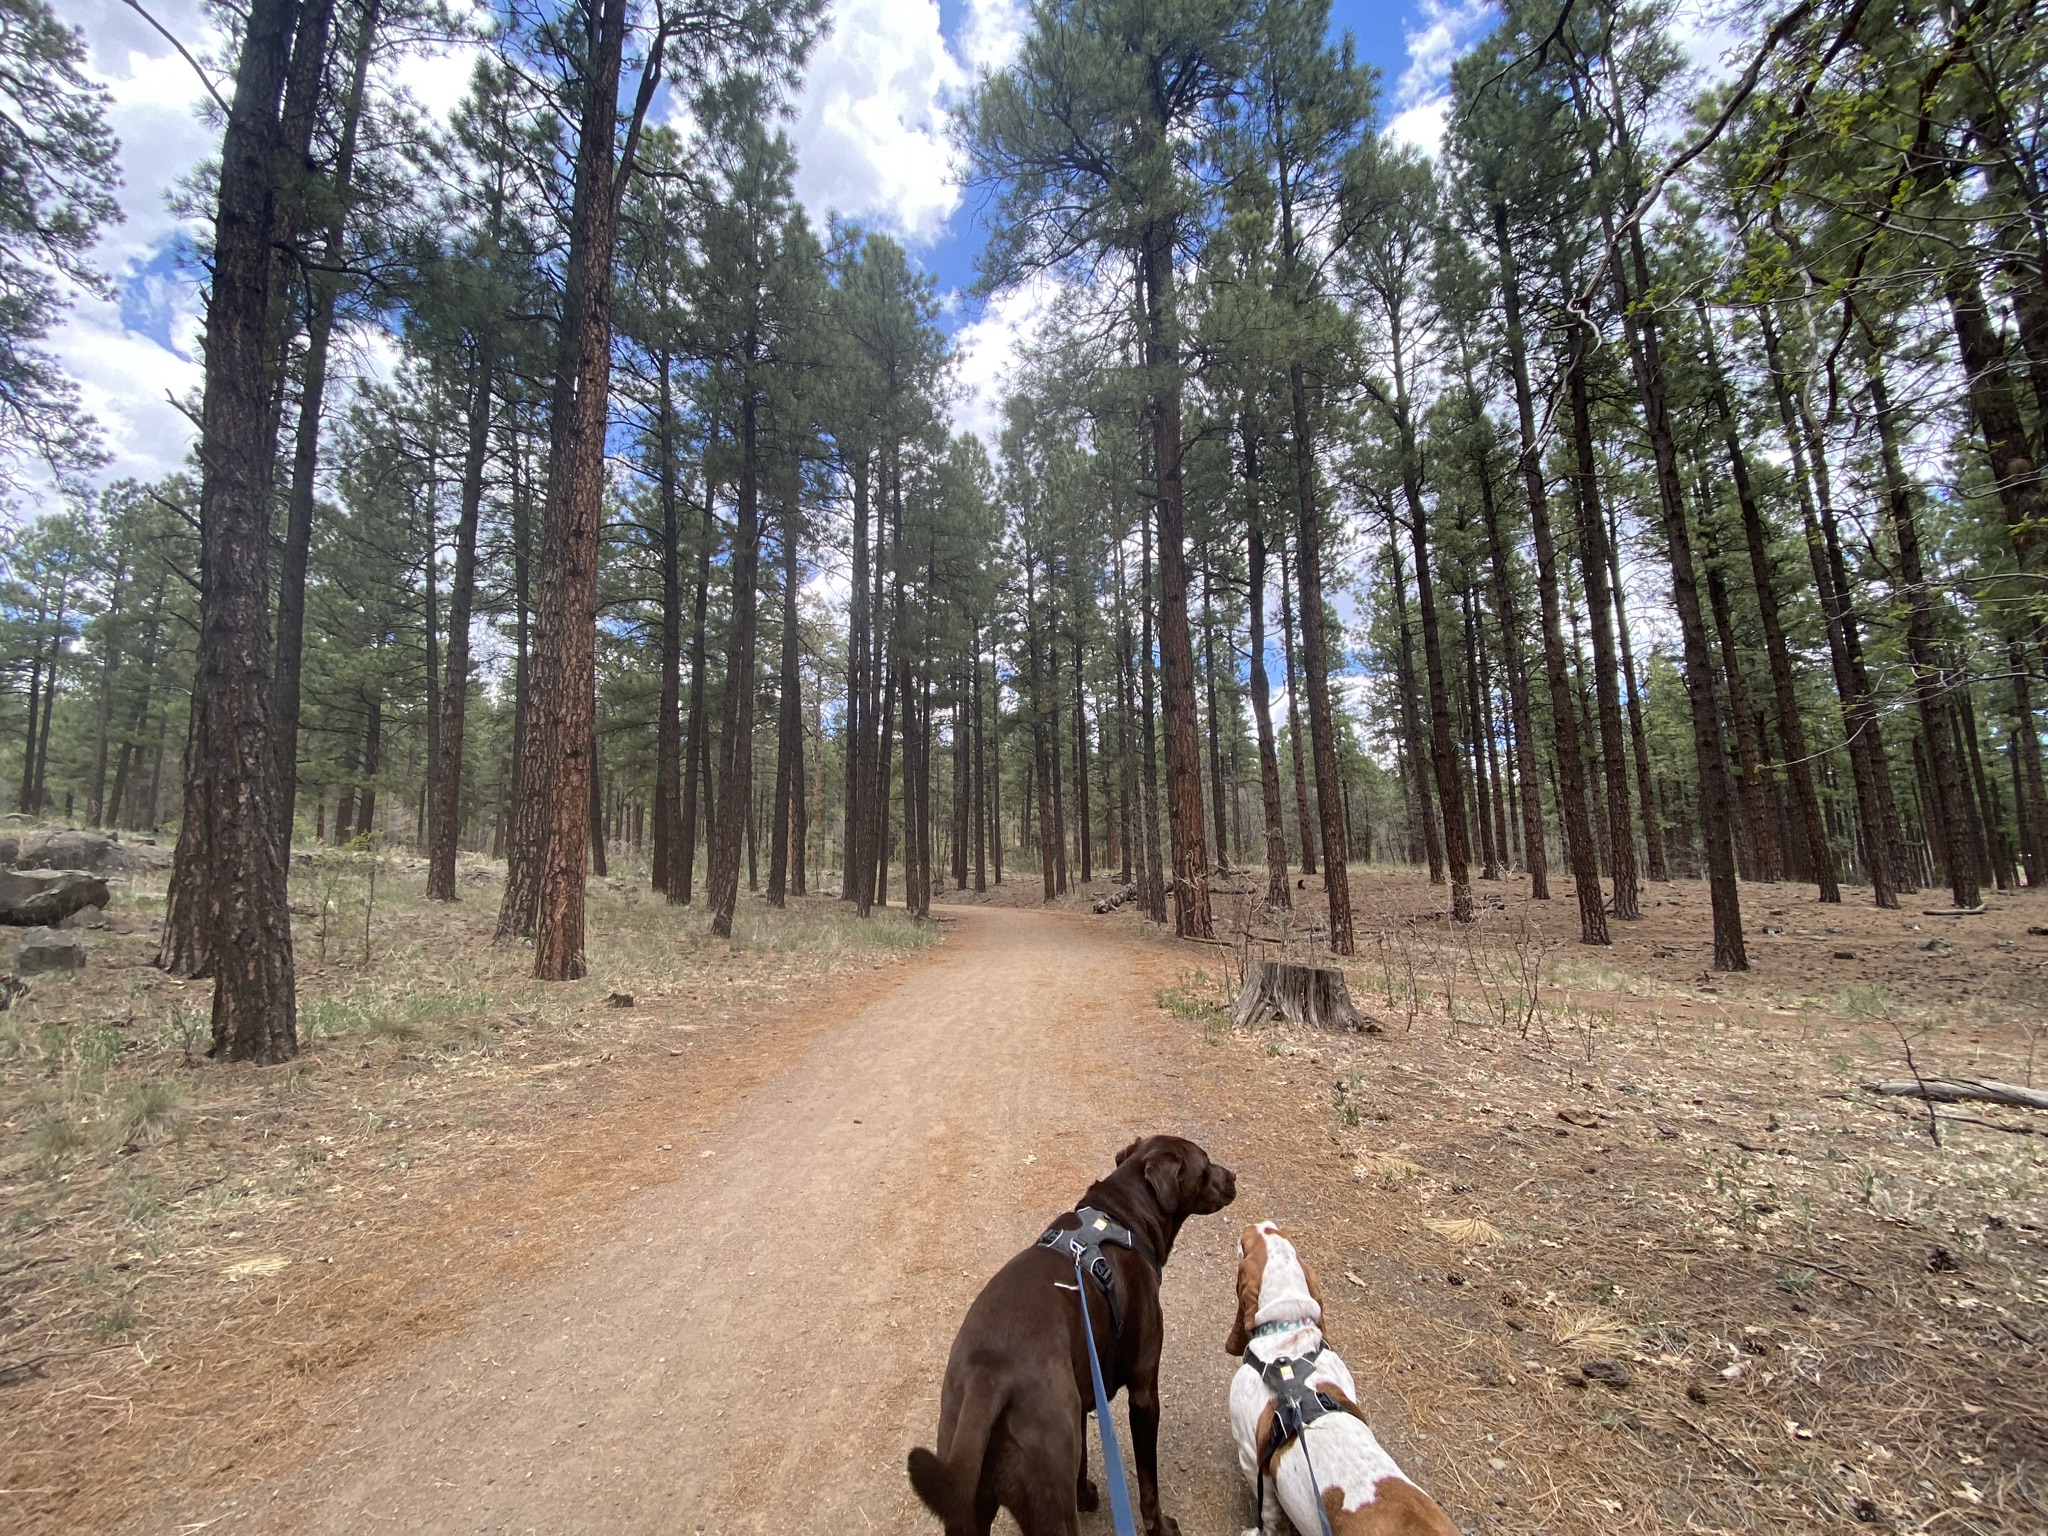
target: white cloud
<point>985,354</point>
<point>1422,95</point>
<point>128,382</point>
<point>439,80</point>
<point>994,32</point>
<point>1448,29</point>
<point>1422,126</point>
<point>871,132</point>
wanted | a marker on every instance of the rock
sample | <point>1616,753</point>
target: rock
<point>619,1000</point>
<point>36,898</point>
<point>45,949</point>
<point>70,848</point>
<point>1845,954</point>
<point>1612,1373</point>
<point>1942,1262</point>
<point>1937,946</point>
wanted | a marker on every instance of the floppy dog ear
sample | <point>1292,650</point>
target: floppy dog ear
<point>1251,1276</point>
<point>1315,1292</point>
<point>1125,1155</point>
<point>1164,1170</point>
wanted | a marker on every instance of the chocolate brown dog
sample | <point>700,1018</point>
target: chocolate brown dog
<point>1013,1411</point>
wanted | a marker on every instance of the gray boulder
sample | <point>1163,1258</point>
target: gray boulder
<point>36,898</point>
<point>45,949</point>
<point>70,848</point>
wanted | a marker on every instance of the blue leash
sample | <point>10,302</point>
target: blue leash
<point>1112,1458</point>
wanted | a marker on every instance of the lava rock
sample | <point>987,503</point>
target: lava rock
<point>1613,1373</point>
<point>45,949</point>
<point>40,898</point>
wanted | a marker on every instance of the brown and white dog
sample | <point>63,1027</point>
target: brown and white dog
<point>1361,1491</point>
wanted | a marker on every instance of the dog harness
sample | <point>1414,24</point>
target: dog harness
<point>1083,1244</point>
<point>1296,1405</point>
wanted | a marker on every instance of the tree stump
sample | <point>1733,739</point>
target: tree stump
<point>1300,994</point>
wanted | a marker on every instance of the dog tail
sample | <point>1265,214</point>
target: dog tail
<point>947,1487</point>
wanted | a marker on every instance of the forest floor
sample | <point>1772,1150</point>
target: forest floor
<point>696,1264</point>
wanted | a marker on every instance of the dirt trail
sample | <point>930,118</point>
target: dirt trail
<point>761,1340</point>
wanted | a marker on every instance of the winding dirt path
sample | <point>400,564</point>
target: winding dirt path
<point>760,1340</point>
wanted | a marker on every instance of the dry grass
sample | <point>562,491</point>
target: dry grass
<point>1829,1322</point>
<point>192,1255</point>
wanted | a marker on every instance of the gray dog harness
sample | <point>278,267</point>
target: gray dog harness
<point>1083,1245</point>
<point>1296,1405</point>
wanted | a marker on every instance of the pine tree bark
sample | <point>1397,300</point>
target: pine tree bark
<point>1322,722</point>
<point>1217,807</point>
<point>669,852</point>
<point>1593,568</point>
<point>1477,734</point>
<point>789,723</point>
<point>1278,893</point>
<point>1571,774</point>
<point>103,717</point>
<point>1450,783</point>
<point>854,883</point>
<point>1755,828</point>
<point>447,789</point>
<point>1654,863</point>
<point>1176,649</point>
<point>1535,853</point>
<point>736,745</point>
<point>1820,857</point>
<point>562,721</point>
<point>1868,771</point>
<point>1944,781</point>
<point>696,747</point>
<point>241,914</point>
<point>1155,873</point>
<point>1646,354</point>
<point>2022,497</point>
<point>1307,828</point>
<point>296,549</point>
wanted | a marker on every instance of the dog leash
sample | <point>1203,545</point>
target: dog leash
<point>1112,1457</point>
<point>1296,1405</point>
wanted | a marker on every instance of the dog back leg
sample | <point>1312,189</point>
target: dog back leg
<point>950,1482</point>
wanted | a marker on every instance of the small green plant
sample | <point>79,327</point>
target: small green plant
<point>149,1111</point>
<point>1347,1105</point>
<point>120,1321</point>
<point>1193,996</point>
<point>53,1140</point>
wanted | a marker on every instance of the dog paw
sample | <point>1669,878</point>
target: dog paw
<point>1087,1497</point>
<point>1167,1526</point>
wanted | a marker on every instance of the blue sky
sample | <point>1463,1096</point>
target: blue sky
<point>870,128</point>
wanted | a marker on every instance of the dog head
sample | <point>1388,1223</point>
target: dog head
<point>1183,1181</point>
<point>1274,1283</point>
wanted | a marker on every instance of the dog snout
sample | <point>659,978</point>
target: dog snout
<point>1222,1186</point>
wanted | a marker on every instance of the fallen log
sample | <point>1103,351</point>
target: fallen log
<point>1942,1090</point>
<point>1301,994</point>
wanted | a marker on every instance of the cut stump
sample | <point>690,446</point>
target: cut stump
<point>1300,994</point>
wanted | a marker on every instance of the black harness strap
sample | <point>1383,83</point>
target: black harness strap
<point>1083,1244</point>
<point>1296,1405</point>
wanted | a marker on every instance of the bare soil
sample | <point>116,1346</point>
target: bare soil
<point>719,1297</point>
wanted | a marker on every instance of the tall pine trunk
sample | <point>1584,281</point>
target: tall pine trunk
<point>447,788</point>
<point>1593,567</point>
<point>671,854</point>
<point>1571,775</point>
<point>241,915</point>
<point>1278,893</point>
<point>1820,858</point>
<point>736,745</point>
<point>1646,356</point>
<point>1176,649</point>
